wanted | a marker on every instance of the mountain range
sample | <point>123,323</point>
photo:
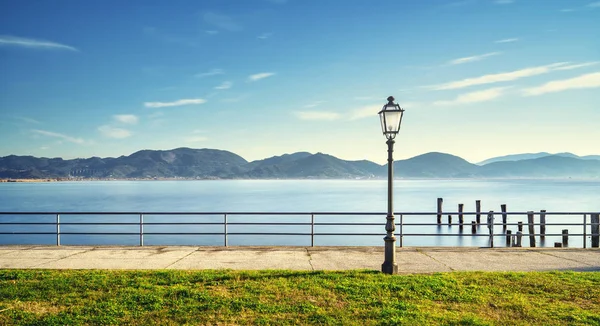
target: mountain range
<point>219,164</point>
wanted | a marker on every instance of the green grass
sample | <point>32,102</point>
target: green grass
<point>49,297</point>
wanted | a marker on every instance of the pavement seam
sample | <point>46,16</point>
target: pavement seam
<point>182,258</point>
<point>310,259</point>
<point>59,259</point>
<point>569,259</point>
<point>437,261</point>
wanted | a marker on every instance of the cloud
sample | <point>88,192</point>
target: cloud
<point>473,58</point>
<point>264,36</point>
<point>507,40</point>
<point>503,2</point>
<point>317,115</point>
<point>584,81</point>
<point>126,118</point>
<point>580,65</point>
<point>501,77</point>
<point>222,22</point>
<point>313,104</point>
<point>212,72</point>
<point>260,76</point>
<point>196,139</point>
<point>7,40</point>
<point>594,4</point>
<point>57,135</point>
<point>112,132</point>
<point>175,103</point>
<point>225,85</point>
<point>474,97</point>
<point>365,112</point>
<point>29,120</point>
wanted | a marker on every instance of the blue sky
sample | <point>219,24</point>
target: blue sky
<point>478,78</point>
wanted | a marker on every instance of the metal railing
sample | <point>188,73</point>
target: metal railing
<point>225,223</point>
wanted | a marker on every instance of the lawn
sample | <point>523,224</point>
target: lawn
<point>223,297</point>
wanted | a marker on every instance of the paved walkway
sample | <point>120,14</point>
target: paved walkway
<point>410,260</point>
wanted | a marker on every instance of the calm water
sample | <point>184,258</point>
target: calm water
<point>286,196</point>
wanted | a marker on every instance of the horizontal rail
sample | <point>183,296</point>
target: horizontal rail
<point>61,219</point>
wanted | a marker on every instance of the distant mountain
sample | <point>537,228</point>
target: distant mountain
<point>435,165</point>
<point>553,166</point>
<point>218,164</point>
<point>529,156</point>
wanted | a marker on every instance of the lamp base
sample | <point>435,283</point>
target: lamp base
<point>389,268</point>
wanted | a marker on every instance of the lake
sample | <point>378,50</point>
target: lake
<point>285,196</point>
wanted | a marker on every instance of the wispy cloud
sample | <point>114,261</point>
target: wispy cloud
<point>126,118</point>
<point>29,120</point>
<point>174,103</point>
<point>474,97</point>
<point>225,85</point>
<point>594,4</point>
<point>317,115</point>
<point>584,81</point>
<point>500,77</point>
<point>363,98</point>
<point>264,36</point>
<point>260,76</point>
<point>579,65</point>
<point>472,58</point>
<point>57,135</point>
<point>212,72</point>
<point>313,104</point>
<point>503,2</point>
<point>222,22</point>
<point>365,112</point>
<point>7,40</point>
<point>195,139</point>
<point>507,40</point>
<point>112,132</point>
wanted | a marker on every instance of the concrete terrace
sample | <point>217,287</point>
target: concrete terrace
<point>411,260</point>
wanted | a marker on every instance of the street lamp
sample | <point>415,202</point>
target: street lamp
<point>391,117</point>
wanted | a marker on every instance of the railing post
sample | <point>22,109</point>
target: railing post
<point>141,230</point>
<point>312,230</point>
<point>530,222</point>
<point>401,242</point>
<point>595,224</point>
<point>225,230</point>
<point>58,229</point>
<point>490,225</point>
<point>584,231</point>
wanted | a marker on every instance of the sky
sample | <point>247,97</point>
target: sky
<point>477,78</point>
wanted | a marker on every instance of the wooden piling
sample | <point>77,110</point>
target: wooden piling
<point>440,201</point>
<point>473,227</point>
<point>519,239</point>
<point>530,222</point>
<point>509,238</point>
<point>490,225</point>
<point>460,214</point>
<point>595,222</point>
<point>520,226</point>
<point>478,210</point>
<point>565,238</point>
<point>504,216</point>
<point>542,224</point>
<point>449,220</point>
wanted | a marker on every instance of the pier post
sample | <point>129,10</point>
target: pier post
<point>595,222</point>
<point>490,225</point>
<point>509,238</point>
<point>473,227</point>
<point>449,220</point>
<point>504,216</point>
<point>460,214</point>
<point>440,201</point>
<point>519,239</point>
<point>565,238</point>
<point>478,210</point>
<point>530,222</point>
<point>543,224</point>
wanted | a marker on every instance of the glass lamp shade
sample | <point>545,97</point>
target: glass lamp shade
<point>391,118</point>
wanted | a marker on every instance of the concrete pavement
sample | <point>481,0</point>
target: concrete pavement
<point>410,260</point>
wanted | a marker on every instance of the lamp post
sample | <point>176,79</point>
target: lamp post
<point>391,117</point>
